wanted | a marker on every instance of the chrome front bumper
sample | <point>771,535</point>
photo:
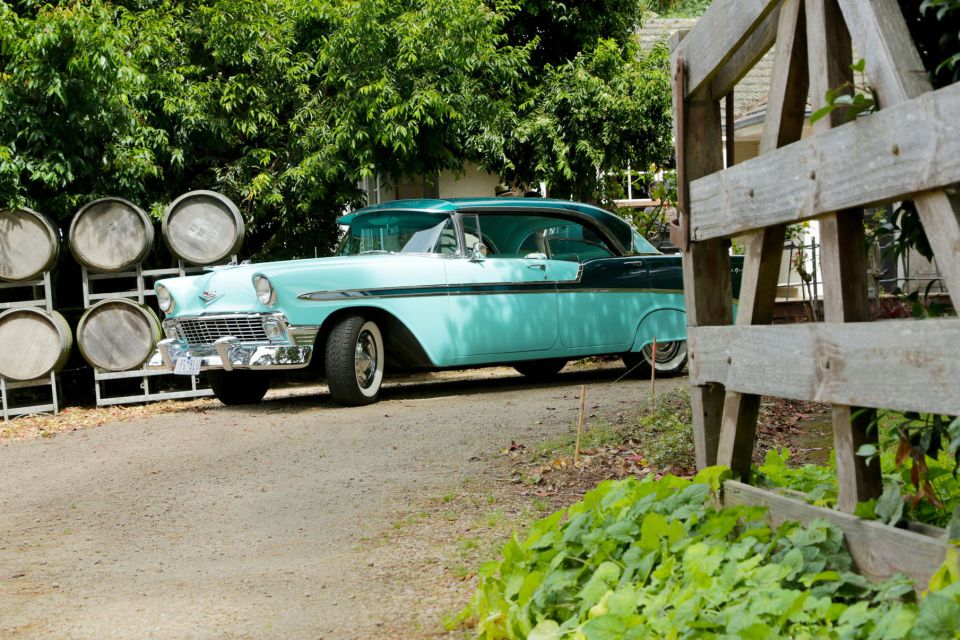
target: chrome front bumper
<point>228,354</point>
<point>293,349</point>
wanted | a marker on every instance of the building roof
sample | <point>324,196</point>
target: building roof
<point>750,93</point>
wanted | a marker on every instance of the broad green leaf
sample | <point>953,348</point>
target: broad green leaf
<point>895,624</point>
<point>953,528</point>
<point>867,450</point>
<point>545,630</point>
<point>599,583</point>
<point>866,509</point>
<point>890,504</point>
<point>654,527</point>
<point>948,573</point>
<point>607,627</point>
<point>939,618</point>
<point>713,476</point>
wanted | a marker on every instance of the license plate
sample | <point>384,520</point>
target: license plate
<point>187,366</point>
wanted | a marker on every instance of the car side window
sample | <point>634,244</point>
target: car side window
<point>447,242</point>
<point>472,234</point>
<point>576,243</point>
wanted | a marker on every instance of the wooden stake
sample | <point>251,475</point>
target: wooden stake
<point>653,375</point>
<point>576,451</point>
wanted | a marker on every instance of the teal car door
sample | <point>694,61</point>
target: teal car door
<point>504,303</point>
<point>602,309</point>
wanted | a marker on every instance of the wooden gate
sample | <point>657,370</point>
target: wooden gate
<point>909,149</point>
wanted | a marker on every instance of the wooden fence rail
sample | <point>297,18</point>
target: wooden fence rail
<point>910,149</point>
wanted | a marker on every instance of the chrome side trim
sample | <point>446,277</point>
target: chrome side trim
<point>459,289</point>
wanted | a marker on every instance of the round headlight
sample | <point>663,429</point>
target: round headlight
<point>265,293</point>
<point>164,299</point>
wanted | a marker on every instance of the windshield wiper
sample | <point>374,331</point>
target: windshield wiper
<point>374,251</point>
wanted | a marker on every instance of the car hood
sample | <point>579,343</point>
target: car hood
<point>230,289</point>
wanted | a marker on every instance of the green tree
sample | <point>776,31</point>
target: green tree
<point>600,111</point>
<point>72,125</point>
<point>284,105</point>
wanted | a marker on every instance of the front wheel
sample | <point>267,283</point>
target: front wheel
<point>671,360</point>
<point>541,369</point>
<point>354,361</point>
<point>239,387</point>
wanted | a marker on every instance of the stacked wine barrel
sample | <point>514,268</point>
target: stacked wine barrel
<point>33,340</point>
<point>203,227</point>
<point>106,236</point>
<point>112,235</point>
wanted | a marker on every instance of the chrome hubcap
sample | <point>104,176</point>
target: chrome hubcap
<point>666,351</point>
<point>365,359</point>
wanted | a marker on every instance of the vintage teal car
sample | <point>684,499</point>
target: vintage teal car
<point>433,284</point>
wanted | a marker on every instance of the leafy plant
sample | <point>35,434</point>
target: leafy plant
<point>946,14</point>
<point>286,105</point>
<point>818,483</point>
<point>652,559</point>
<point>664,432</point>
<point>677,8</point>
<point>848,98</point>
<point>925,450</point>
<point>921,481</point>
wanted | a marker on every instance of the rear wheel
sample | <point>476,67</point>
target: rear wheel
<point>671,359</point>
<point>541,369</point>
<point>354,361</point>
<point>239,387</point>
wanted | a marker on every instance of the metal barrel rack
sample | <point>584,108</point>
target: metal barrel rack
<point>133,285</point>
<point>28,293</point>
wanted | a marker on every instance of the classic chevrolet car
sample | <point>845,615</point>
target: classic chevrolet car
<point>434,284</point>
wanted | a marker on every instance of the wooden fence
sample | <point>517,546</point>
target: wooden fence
<point>909,149</point>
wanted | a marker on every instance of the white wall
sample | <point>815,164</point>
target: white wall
<point>472,183</point>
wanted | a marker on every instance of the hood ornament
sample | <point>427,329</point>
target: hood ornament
<point>210,296</point>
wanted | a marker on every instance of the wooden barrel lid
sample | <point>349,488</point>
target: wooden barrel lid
<point>203,227</point>
<point>110,234</point>
<point>33,342</point>
<point>118,334</point>
<point>29,244</point>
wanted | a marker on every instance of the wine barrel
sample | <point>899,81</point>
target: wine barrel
<point>203,227</point>
<point>118,334</point>
<point>29,244</point>
<point>110,234</point>
<point>33,342</point>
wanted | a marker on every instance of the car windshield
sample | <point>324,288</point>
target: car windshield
<point>400,232</point>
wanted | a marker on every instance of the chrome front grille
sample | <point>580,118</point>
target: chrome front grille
<point>207,330</point>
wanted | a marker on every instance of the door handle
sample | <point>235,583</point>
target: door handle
<point>542,267</point>
<point>634,263</point>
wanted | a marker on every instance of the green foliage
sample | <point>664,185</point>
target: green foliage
<point>604,108</point>
<point>664,432</point>
<point>285,105</point>
<point>847,98</point>
<point>652,222</point>
<point>934,487</point>
<point>652,559</point>
<point>936,28</point>
<point>73,107</point>
<point>817,483</point>
<point>678,8</point>
<point>560,29</point>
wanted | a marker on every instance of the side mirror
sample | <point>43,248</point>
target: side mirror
<point>479,253</point>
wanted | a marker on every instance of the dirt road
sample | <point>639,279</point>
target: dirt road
<point>253,522</point>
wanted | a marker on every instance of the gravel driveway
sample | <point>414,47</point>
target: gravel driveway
<point>249,522</point>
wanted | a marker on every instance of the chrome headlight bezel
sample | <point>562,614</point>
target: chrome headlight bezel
<point>170,329</point>
<point>266,294</point>
<point>165,299</point>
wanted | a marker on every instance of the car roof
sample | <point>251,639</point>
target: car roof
<point>611,224</point>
